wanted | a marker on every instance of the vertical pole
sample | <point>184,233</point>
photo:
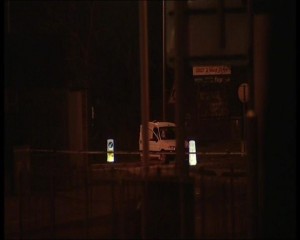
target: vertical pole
<point>87,197</point>
<point>261,78</point>
<point>250,129</point>
<point>163,59</point>
<point>222,24</point>
<point>113,205</point>
<point>180,58</point>
<point>257,90</point>
<point>122,209</point>
<point>8,16</point>
<point>253,174</point>
<point>143,17</point>
<point>144,79</point>
<point>53,195</point>
<point>244,122</point>
<point>180,27</point>
<point>224,228</point>
<point>202,205</point>
<point>21,198</point>
<point>250,54</point>
<point>232,202</point>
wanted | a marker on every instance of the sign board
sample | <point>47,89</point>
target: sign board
<point>211,70</point>
<point>110,150</point>
<point>243,92</point>
<point>212,79</point>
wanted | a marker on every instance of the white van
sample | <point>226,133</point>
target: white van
<point>162,139</point>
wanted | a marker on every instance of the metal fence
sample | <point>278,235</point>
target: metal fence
<point>66,196</point>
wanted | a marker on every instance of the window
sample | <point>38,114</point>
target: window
<point>167,133</point>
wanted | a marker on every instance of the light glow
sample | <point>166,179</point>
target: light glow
<point>192,153</point>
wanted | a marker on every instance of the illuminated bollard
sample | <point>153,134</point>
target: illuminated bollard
<point>110,150</point>
<point>192,153</point>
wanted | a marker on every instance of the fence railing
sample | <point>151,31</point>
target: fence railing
<point>63,195</point>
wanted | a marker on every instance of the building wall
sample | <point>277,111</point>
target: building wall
<point>217,35</point>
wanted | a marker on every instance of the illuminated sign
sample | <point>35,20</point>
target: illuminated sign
<point>110,150</point>
<point>211,70</point>
<point>192,153</point>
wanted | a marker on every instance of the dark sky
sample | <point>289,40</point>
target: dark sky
<point>59,44</point>
<point>86,44</point>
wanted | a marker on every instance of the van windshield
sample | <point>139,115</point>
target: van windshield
<point>167,133</point>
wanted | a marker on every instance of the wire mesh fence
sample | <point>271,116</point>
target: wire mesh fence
<point>67,196</point>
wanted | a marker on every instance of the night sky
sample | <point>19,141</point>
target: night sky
<point>87,45</point>
<point>72,39</point>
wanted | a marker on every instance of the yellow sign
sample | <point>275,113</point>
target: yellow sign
<point>110,150</point>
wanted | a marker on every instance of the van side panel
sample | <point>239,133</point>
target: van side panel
<point>158,145</point>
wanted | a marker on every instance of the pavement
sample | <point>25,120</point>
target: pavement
<point>65,215</point>
<point>32,217</point>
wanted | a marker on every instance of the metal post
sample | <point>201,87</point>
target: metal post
<point>224,227</point>
<point>261,78</point>
<point>253,174</point>
<point>143,17</point>
<point>21,199</point>
<point>202,205</point>
<point>113,205</point>
<point>243,150</point>
<point>163,59</point>
<point>8,16</point>
<point>122,208</point>
<point>144,78</point>
<point>222,24</point>
<point>180,11</point>
<point>87,197</point>
<point>53,196</point>
<point>250,54</point>
<point>251,133</point>
<point>180,57</point>
<point>232,202</point>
